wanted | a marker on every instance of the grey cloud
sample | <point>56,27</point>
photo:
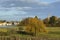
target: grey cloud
<point>25,8</point>
<point>21,3</point>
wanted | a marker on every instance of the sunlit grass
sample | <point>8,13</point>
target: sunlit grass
<point>52,32</point>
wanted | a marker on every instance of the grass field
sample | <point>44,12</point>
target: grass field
<point>52,32</point>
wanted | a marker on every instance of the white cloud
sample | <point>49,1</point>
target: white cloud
<point>27,7</point>
<point>12,11</point>
<point>57,0</point>
<point>32,3</point>
<point>29,1</point>
<point>21,12</point>
<point>12,4</point>
<point>15,8</point>
<point>44,3</point>
<point>35,1</point>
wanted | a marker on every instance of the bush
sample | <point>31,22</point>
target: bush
<point>33,25</point>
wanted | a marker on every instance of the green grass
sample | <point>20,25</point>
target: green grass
<point>52,32</point>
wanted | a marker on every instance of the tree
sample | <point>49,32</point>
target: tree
<point>58,23</point>
<point>1,21</point>
<point>36,17</point>
<point>46,21</point>
<point>53,20</point>
<point>33,25</point>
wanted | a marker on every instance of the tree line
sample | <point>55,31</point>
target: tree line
<point>36,25</point>
<point>52,21</point>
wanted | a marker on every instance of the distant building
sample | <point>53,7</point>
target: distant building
<point>5,24</point>
<point>16,23</point>
<point>1,24</point>
<point>8,23</point>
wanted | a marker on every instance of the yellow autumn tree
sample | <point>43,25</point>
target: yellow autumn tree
<point>33,25</point>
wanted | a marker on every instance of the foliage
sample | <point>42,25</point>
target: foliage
<point>1,21</point>
<point>52,22</point>
<point>33,25</point>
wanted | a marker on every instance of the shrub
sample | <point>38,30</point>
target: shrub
<point>33,25</point>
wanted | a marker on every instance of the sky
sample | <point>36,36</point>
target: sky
<point>48,1</point>
<point>19,9</point>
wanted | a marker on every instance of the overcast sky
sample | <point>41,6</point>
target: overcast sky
<point>19,9</point>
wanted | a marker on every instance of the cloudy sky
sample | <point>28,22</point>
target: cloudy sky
<point>19,9</point>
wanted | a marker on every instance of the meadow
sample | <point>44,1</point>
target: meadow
<point>53,33</point>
